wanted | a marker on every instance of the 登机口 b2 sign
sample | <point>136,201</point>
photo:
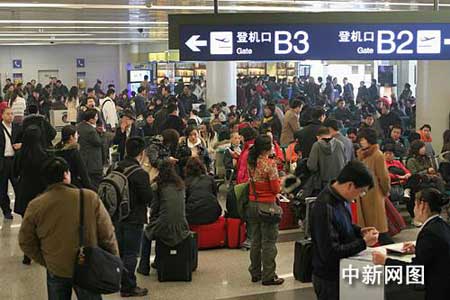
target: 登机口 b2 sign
<point>315,41</point>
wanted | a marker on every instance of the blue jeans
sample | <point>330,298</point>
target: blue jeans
<point>60,288</point>
<point>129,238</point>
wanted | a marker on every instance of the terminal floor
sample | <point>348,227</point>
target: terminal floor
<point>222,273</point>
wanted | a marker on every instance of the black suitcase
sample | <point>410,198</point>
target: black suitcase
<point>177,263</point>
<point>303,250</point>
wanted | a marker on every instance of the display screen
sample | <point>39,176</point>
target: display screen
<point>138,75</point>
<point>133,87</point>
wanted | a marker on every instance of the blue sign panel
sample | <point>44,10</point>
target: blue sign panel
<point>315,41</point>
<point>17,64</point>
<point>80,63</point>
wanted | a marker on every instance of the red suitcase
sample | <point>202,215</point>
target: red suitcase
<point>288,218</point>
<point>236,233</point>
<point>395,220</point>
<point>210,235</point>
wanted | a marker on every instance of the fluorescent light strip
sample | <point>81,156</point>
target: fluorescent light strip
<point>192,7</point>
<point>44,34</point>
<point>257,8</point>
<point>78,22</point>
<point>85,39</point>
<point>83,27</point>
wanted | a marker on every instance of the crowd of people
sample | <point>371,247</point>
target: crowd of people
<point>171,146</point>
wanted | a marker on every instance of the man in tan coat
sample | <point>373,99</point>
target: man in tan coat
<point>49,232</point>
<point>291,122</point>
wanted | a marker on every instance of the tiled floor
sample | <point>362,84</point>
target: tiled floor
<point>222,273</point>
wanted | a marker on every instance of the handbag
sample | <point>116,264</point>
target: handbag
<point>96,270</point>
<point>268,212</point>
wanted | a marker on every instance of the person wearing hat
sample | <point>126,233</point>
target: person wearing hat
<point>126,131</point>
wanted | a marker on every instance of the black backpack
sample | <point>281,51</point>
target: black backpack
<point>114,191</point>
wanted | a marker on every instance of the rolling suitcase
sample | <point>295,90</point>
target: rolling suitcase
<point>176,263</point>
<point>303,250</point>
<point>211,235</point>
<point>288,216</point>
<point>395,220</point>
<point>236,233</point>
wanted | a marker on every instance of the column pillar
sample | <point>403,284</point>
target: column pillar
<point>433,98</point>
<point>123,66</point>
<point>221,82</point>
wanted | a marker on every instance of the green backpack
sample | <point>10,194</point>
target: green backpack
<point>241,191</point>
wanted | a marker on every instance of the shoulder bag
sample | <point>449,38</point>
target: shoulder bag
<point>96,270</point>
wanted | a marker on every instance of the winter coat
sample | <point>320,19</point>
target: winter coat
<point>241,167</point>
<point>49,232</point>
<point>291,125</point>
<point>419,165</point>
<point>202,206</point>
<point>371,208</point>
<point>140,191</point>
<point>91,147</point>
<point>348,147</point>
<point>327,157</point>
<point>48,132</point>
<point>307,137</point>
<point>120,138</point>
<point>78,172</point>
<point>275,125</point>
<point>185,151</point>
<point>168,215</point>
<point>30,180</point>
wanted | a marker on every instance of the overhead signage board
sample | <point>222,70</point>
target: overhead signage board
<point>427,41</point>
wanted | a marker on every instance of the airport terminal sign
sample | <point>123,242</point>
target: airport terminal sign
<point>315,41</point>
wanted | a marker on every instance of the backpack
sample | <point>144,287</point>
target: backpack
<point>114,192</point>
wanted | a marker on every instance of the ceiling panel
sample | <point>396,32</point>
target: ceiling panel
<point>117,21</point>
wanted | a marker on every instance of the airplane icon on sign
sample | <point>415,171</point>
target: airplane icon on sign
<point>426,39</point>
<point>224,40</point>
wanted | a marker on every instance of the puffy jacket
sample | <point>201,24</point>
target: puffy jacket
<point>241,167</point>
<point>202,206</point>
<point>307,137</point>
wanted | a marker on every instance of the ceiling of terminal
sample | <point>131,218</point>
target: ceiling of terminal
<point>130,21</point>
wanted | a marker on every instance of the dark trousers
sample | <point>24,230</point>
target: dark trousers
<point>146,250</point>
<point>61,289</point>
<point>325,289</point>
<point>129,238</point>
<point>6,173</point>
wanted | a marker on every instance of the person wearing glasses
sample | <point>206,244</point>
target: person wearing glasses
<point>334,237</point>
<point>432,248</point>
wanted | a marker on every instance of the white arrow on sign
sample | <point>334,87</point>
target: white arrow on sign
<point>193,43</point>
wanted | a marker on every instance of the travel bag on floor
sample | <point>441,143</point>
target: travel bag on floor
<point>288,220</point>
<point>303,250</point>
<point>396,223</point>
<point>236,233</point>
<point>211,235</point>
<point>176,263</point>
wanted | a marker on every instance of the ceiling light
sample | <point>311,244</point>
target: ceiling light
<point>43,34</point>
<point>84,39</point>
<point>79,22</point>
<point>84,27</point>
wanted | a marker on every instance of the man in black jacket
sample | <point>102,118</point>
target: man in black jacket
<point>140,100</point>
<point>127,130</point>
<point>173,121</point>
<point>48,132</point>
<point>308,135</point>
<point>129,231</point>
<point>333,235</point>
<point>8,146</point>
